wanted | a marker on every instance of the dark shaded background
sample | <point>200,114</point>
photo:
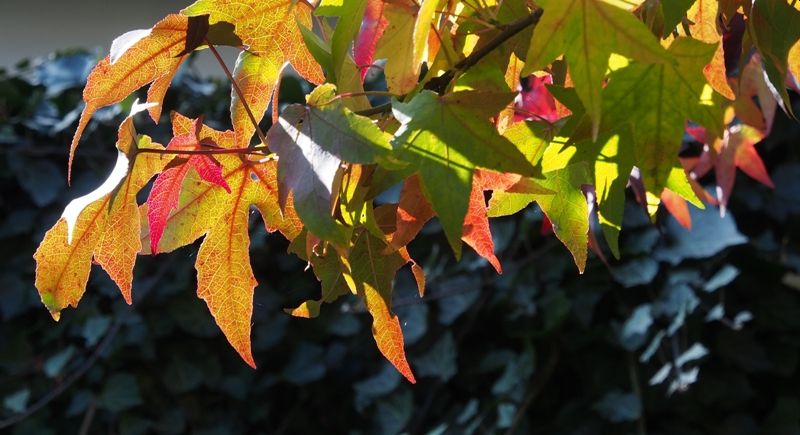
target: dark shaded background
<point>690,333</point>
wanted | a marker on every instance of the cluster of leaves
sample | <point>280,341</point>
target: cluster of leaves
<point>536,349</point>
<point>619,104</point>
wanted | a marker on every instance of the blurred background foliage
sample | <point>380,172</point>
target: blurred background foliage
<point>689,333</point>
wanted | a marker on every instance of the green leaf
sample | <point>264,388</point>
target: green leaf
<point>674,11</point>
<point>656,101</point>
<point>775,28</point>
<point>567,209</point>
<point>445,138</point>
<point>587,32</point>
<point>350,14</point>
<point>311,142</point>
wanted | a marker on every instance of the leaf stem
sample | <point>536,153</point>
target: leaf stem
<point>260,149</point>
<point>238,91</point>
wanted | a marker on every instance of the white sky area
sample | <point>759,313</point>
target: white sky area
<point>30,28</point>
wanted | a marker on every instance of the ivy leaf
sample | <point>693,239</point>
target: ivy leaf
<point>101,225</point>
<point>656,101</point>
<point>587,32</point>
<point>165,193</point>
<point>567,209</point>
<point>370,276</point>
<point>775,28</point>
<point>311,142</point>
<point>137,58</point>
<point>444,138</point>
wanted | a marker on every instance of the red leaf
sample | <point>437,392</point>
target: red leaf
<point>738,150</point>
<point>166,191</point>
<point>535,102</point>
<point>677,207</point>
<point>372,29</point>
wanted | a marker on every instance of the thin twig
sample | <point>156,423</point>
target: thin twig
<point>439,84</point>
<point>238,91</point>
<point>254,150</point>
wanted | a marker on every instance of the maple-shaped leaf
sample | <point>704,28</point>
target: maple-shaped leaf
<point>370,275</point>
<point>372,28</point>
<point>224,275</point>
<point>562,200</point>
<point>102,225</point>
<point>414,210</point>
<point>271,32</point>
<point>656,101</point>
<point>587,32</point>
<point>266,27</point>
<point>137,58</point>
<point>165,194</point>
<point>739,151</point>
<point>753,84</point>
<point>704,14</point>
<point>311,142</point>
<point>444,138</point>
<point>774,26</point>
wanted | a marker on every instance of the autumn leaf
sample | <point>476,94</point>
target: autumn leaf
<point>370,275</point>
<point>414,210</point>
<point>738,151</point>
<point>256,77</point>
<point>271,32</point>
<point>224,275</point>
<point>165,194</point>
<point>704,14</point>
<point>137,58</point>
<point>566,208</point>
<point>311,142</point>
<point>102,225</point>
<point>444,138</point>
<point>587,32</point>
<point>372,28</point>
<point>401,69</point>
<point>266,27</point>
<point>678,207</point>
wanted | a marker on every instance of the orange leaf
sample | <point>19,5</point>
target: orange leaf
<point>738,150</point>
<point>704,16</point>
<point>677,207</point>
<point>137,58</point>
<point>102,225</point>
<point>370,276</point>
<point>224,276</point>
<point>266,27</point>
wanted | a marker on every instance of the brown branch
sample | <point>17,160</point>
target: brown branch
<point>439,84</point>
<point>238,91</point>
